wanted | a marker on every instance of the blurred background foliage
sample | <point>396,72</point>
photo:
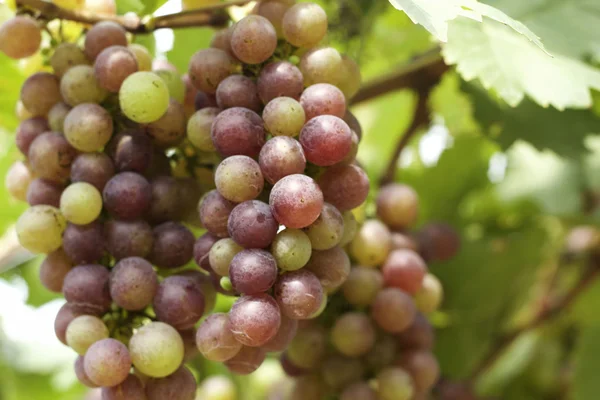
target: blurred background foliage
<point>513,179</point>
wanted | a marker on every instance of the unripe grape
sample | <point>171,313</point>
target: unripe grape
<point>81,203</point>
<point>144,97</point>
<point>40,229</point>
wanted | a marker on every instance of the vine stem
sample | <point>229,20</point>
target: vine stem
<point>545,314</point>
<point>205,16</point>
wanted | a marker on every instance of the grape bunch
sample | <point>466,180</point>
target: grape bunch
<point>374,340</point>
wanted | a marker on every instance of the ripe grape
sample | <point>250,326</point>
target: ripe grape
<point>338,371</point>
<point>326,232</point>
<point>214,213</point>
<point>84,331</point>
<point>67,313</point>
<point>299,294</point>
<point>88,285</point>
<point>332,267</point>
<point>246,361</point>
<point>142,56</point>
<point>353,334</point>
<point>251,224</point>
<point>107,362</point>
<point>28,130</point>
<point>422,366</point>
<point>404,241</point>
<point>358,391</point>
<point>81,203</point>
<point>253,39</point>
<point>323,99</point>
<point>419,335</point>
<point>50,156</point>
<point>238,131</point>
<point>93,168</point>
<point>279,79</point>
<point>130,389</point>
<point>238,91</point>
<point>102,35</point>
<point>253,271</point>
<point>321,65</point>
<point>221,254</point>
<point>179,302</point>
<point>404,269</point>
<point>113,65</point>
<point>344,186</point>
<point>350,228</point>
<point>40,229</point>
<point>222,40</point>
<point>398,206</point>
<point>296,201</point>
<point>20,37</point>
<point>53,270</point>
<point>429,297</point>
<point>439,242</point>
<point>156,350</point>
<point>362,286</point>
<point>372,243</point>
<point>79,85</point>
<point>40,92</point>
<point>285,334</point>
<point>173,245</point>
<point>198,128</point>
<point>281,156</point>
<point>394,384</point>
<point>81,375</point>
<point>305,25</point>
<point>131,150</point>
<point>133,283</point>
<point>383,353</point>
<point>43,191</point>
<point>174,83</point>
<point>128,238</point>
<point>254,319</point>
<point>208,67</point>
<point>284,116</point>
<point>127,196</point>
<point>308,347</point>
<point>18,180</point>
<point>393,310</point>
<point>144,97</point>
<point>215,339</point>
<point>57,115</point>
<point>166,200</point>
<point>180,385</point>
<point>273,11</point>
<point>84,243</point>
<point>238,178</point>
<point>292,249</point>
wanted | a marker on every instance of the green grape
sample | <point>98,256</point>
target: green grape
<point>142,55</point>
<point>79,85</point>
<point>350,79</point>
<point>321,65</point>
<point>305,24</point>
<point>221,254</point>
<point>350,228</point>
<point>144,97</point>
<point>66,56</point>
<point>292,249</point>
<point>326,232</point>
<point>198,128</point>
<point>284,116</point>
<point>57,115</point>
<point>40,229</point>
<point>88,127</point>
<point>429,297</point>
<point>174,83</point>
<point>84,331</point>
<point>353,334</point>
<point>156,350</point>
<point>394,384</point>
<point>372,244</point>
<point>308,347</point>
<point>81,203</point>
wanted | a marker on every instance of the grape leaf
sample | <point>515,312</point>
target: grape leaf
<point>545,128</point>
<point>566,27</point>
<point>585,383</point>
<point>435,14</point>
<point>512,66</point>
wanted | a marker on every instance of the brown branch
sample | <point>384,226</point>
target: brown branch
<point>423,71</point>
<point>544,315</point>
<point>205,16</point>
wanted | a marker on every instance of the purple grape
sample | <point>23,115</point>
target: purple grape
<point>133,283</point>
<point>255,319</point>
<point>238,130</point>
<point>84,244</point>
<point>323,99</point>
<point>326,140</point>
<point>67,313</point>
<point>214,213</point>
<point>252,225</point>
<point>331,267</point>
<point>113,65</point>
<point>166,200</point>
<point>393,310</point>
<point>102,35</point>
<point>107,363</point>
<point>131,151</point>
<point>285,334</point>
<point>419,335</point>
<point>208,67</point>
<point>422,366</point>
<point>127,196</point>
<point>128,238</point>
<point>181,385</point>
<point>253,40</point>
<point>40,92</point>
<point>281,156</point>
<point>131,388</point>
<point>202,247</point>
<point>246,361</point>
<point>81,375</point>
<point>173,245</point>
<point>404,269</point>
<point>299,294</point>
<point>93,168</point>
<point>87,285</point>
<point>28,130</point>
<point>50,156</point>
<point>168,130</point>
<point>344,186</point>
<point>296,201</point>
<point>253,271</point>
<point>204,100</point>
<point>53,270</point>
<point>179,302</point>
<point>43,191</point>
<point>280,79</point>
<point>238,91</point>
<point>190,350</point>
<point>215,339</point>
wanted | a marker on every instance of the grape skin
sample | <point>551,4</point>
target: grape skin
<point>362,286</point>
<point>339,371</point>
<point>208,67</point>
<point>344,186</point>
<point>253,39</point>
<point>67,313</point>
<point>308,347</point>
<point>299,294</point>
<point>429,297</point>
<point>181,385</point>
<point>113,65</point>
<point>43,191</point>
<point>130,389</point>
<point>199,126</point>
<point>422,366</point>
<point>296,201</point>
<point>281,156</point>
<point>326,232</point>
<point>304,25</point>
<point>238,91</point>
<point>214,213</point>
<point>280,79</point>
<point>144,97</point>
<point>405,270</point>
<point>88,285</point>
<point>81,203</point>
<point>103,35</point>
<point>40,92</point>
<point>215,340</point>
<point>292,249</point>
<point>255,319</point>
<point>84,243</point>
<point>84,331</point>
<point>131,151</point>
<point>372,243</point>
<point>238,131</point>
<point>79,85</point>
<point>323,99</point>
<point>128,238</point>
<point>169,129</point>
<point>127,195</point>
<point>353,334</point>
<point>283,337</point>
<point>398,206</point>
<point>332,267</point>
<point>252,225</point>
<point>133,283</point>
<point>179,302</point>
<point>156,350</point>
<point>93,168</point>
<point>50,157</point>
<point>81,375</point>
<point>40,229</point>
<point>107,362</point>
<point>253,271</point>
<point>246,361</point>
<point>173,245</point>
<point>419,335</point>
<point>221,254</point>
<point>239,178</point>
<point>57,115</point>
<point>358,391</point>
<point>393,310</point>
<point>321,65</point>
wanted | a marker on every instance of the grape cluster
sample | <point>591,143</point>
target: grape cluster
<point>374,340</point>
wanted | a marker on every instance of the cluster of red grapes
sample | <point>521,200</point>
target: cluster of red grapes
<point>374,341</point>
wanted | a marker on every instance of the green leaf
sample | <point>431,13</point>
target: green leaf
<point>586,385</point>
<point>454,106</point>
<point>125,6</point>
<point>435,14</point>
<point>509,64</point>
<point>545,128</point>
<point>564,26</point>
<point>188,41</point>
